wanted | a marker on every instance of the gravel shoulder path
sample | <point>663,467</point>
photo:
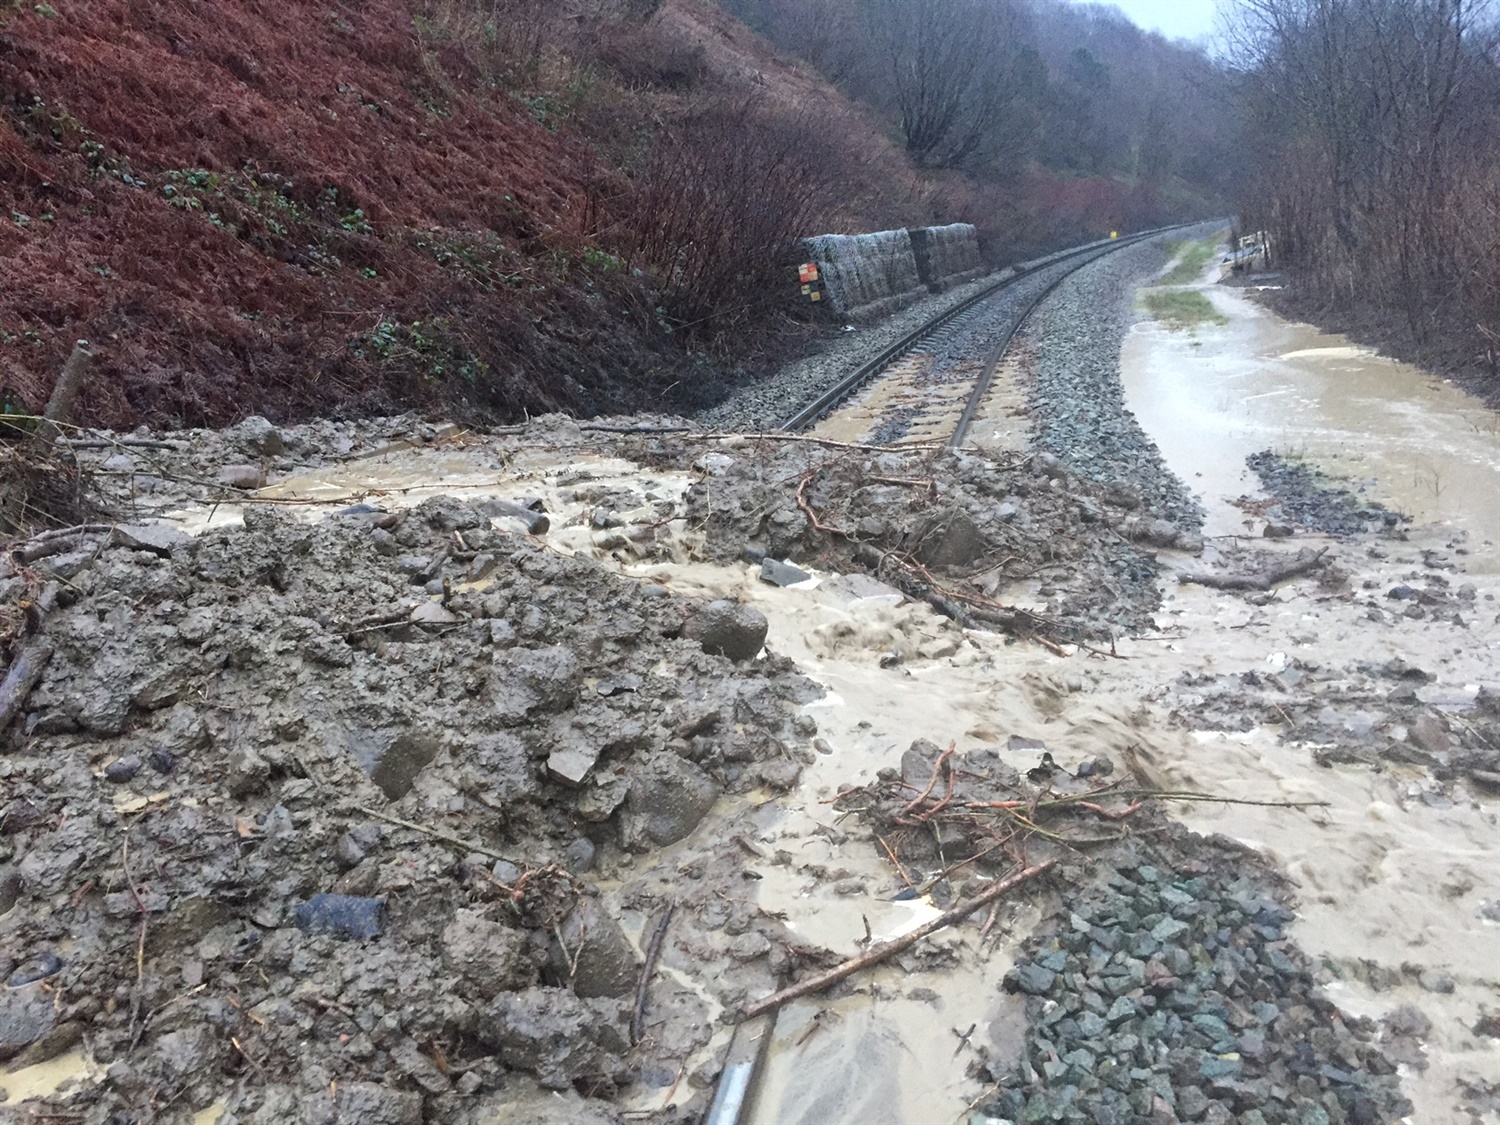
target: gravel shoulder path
<point>1078,402</point>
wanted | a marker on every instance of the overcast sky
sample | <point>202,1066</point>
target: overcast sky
<point>1177,19</point>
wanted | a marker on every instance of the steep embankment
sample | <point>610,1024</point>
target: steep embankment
<point>325,206</point>
<point>289,209</point>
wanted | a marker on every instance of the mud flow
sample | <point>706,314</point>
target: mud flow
<point>383,772</point>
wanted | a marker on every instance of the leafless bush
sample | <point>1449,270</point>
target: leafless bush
<point>720,203</point>
<point>1378,159</point>
<point>504,40</point>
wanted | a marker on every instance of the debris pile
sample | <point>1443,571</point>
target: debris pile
<point>965,533</point>
<point>311,805</point>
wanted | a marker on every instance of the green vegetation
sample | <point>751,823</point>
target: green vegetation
<point>1195,255</point>
<point>1182,308</point>
<point>435,349</point>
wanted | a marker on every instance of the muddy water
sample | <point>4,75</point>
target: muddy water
<point>1385,880</point>
<point>1211,396</point>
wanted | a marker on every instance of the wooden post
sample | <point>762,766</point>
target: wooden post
<point>60,405</point>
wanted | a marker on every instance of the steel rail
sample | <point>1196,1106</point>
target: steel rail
<point>825,403</point>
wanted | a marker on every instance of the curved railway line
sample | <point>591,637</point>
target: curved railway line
<point>912,390</point>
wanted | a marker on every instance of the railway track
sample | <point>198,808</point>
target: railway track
<point>912,391</point>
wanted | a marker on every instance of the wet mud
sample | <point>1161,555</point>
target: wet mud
<point>360,794</point>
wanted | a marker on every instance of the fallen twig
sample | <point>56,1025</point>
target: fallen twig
<point>25,673</point>
<point>653,950</point>
<point>807,508</point>
<point>1305,560</point>
<point>466,845</point>
<point>886,949</point>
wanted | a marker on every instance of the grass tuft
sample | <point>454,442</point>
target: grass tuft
<point>1195,255</point>
<point>1182,308</point>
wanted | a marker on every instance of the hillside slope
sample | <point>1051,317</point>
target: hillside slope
<point>310,206</point>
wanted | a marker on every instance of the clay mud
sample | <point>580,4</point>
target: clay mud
<point>370,794</point>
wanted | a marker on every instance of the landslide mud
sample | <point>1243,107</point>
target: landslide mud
<point>237,722</point>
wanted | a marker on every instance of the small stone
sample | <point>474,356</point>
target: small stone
<point>1427,732</point>
<point>1192,1103</point>
<point>1034,980</point>
<point>578,858</point>
<point>246,478</point>
<point>433,613</point>
<point>1434,981</point>
<point>256,435</point>
<point>345,916</point>
<point>25,1016</point>
<point>162,760</point>
<point>1220,1066</point>
<point>123,769</point>
<point>1488,1025</point>
<point>1168,928</point>
<point>155,538</point>
<point>782,574</point>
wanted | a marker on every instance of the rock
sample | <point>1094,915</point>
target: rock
<point>1123,495</point>
<point>528,679</point>
<point>344,916</point>
<point>571,763</point>
<point>487,956</point>
<point>578,857</point>
<point>1428,733</point>
<point>554,1034</point>
<point>257,436</point>
<point>1168,928</point>
<point>393,759</point>
<point>595,957</point>
<point>33,969</point>
<point>149,537</point>
<point>26,1014</point>
<point>1034,980</point>
<point>1051,466</point>
<point>782,574</point>
<point>123,769</point>
<point>247,478</point>
<point>729,629</point>
<point>1488,1024</point>
<point>433,613</point>
<point>1192,1103</point>
<point>1432,980</point>
<point>665,802</point>
<point>950,539</point>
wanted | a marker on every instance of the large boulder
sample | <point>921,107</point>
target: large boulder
<point>728,628</point>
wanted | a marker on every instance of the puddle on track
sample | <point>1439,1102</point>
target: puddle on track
<point>1212,396</point>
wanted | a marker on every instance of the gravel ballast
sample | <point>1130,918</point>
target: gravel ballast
<point>1077,399</point>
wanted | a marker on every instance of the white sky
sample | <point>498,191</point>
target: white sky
<point>1176,19</point>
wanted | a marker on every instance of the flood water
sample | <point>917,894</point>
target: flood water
<point>1215,394</point>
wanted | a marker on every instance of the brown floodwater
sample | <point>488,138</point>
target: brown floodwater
<point>1211,396</point>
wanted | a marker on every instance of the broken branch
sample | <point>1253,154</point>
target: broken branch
<point>1305,560</point>
<point>886,949</point>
